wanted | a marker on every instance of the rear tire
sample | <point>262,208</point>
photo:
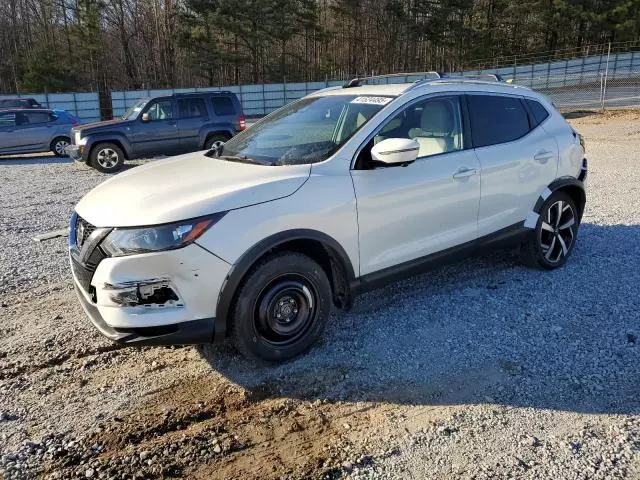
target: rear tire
<point>551,243</point>
<point>58,146</point>
<point>281,308</point>
<point>215,142</point>
<point>106,157</point>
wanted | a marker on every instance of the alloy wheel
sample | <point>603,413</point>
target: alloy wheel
<point>107,158</point>
<point>216,146</point>
<point>557,231</point>
<point>60,147</point>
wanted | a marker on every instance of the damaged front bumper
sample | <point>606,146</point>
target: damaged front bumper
<point>162,298</point>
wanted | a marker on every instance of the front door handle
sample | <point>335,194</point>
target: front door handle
<point>543,157</point>
<point>465,172</point>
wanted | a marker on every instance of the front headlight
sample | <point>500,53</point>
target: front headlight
<point>129,241</point>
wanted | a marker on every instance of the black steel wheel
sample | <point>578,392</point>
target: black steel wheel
<point>281,308</point>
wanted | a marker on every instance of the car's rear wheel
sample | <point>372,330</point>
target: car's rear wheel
<point>59,145</point>
<point>215,142</point>
<point>281,309</point>
<point>107,157</point>
<point>555,234</point>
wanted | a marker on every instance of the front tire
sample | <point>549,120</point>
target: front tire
<point>107,157</point>
<point>281,309</point>
<point>58,146</point>
<point>554,237</point>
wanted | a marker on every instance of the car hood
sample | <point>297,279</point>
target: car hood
<point>187,186</point>
<point>100,125</point>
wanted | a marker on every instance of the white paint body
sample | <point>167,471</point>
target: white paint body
<point>381,217</point>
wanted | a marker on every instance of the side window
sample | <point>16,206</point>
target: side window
<point>434,123</point>
<point>7,120</point>
<point>160,110</point>
<point>540,113</point>
<point>37,117</point>
<point>192,107</point>
<point>496,119</point>
<point>223,106</point>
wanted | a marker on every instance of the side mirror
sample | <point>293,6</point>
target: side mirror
<point>395,151</point>
<point>145,117</point>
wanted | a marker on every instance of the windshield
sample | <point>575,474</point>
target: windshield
<point>307,131</point>
<point>133,112</point>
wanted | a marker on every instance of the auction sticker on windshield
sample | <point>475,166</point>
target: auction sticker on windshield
<point>372,100</point>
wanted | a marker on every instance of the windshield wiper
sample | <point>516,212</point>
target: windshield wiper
<point>242,159</point>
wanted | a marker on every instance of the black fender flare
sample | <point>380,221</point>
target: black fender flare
<point>557,184</point>
<point>240,268</point>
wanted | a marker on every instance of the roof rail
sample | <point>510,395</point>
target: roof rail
<point>356,82</point>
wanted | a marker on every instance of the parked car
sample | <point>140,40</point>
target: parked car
<point>330,196</point>
<point>159,126</point>
<point>19,103</point>
<point>35,130</point>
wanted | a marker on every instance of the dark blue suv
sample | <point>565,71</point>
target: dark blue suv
<point>169,125</point>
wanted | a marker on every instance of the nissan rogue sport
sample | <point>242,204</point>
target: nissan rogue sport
<point>330,196</point>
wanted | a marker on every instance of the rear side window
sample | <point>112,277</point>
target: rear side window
<point>496,119</point>
<point>540,113</point>
<point>37,117</point>
<point>223,106</point>
<point>192,107</point>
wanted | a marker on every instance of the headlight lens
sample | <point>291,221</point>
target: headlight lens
<point>129,241</point>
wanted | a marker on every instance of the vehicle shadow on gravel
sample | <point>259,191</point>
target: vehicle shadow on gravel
<point>486,330</point>
<point>38,160</point>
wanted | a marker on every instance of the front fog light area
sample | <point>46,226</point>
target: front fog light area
<point>149,293</point>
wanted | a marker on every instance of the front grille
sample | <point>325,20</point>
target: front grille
<point>84,264</point>
<point>82,274</point>
<point>83,231</point>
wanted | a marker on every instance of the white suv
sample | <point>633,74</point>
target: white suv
<point>330,196</point>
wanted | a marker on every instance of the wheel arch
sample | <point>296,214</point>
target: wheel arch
<point>571,186</point>
<point>210,133</point>
<point>322,248</point>
<point>117,140</point>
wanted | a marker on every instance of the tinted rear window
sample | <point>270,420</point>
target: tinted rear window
<point>223,106</point>
<point>192,107</point>
<point>496,119</point>
<point>539,112</point>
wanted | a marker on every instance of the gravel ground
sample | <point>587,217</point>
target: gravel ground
<point>483,369</point>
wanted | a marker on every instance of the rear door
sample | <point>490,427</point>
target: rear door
<point>36,130</point>
<point>159,135</point>
<point>193,115</point>
<point>9,134</point>
<point>518,159</point>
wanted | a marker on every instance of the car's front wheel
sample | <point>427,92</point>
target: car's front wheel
<point>107,157</point>
<point>281,308</point>
<point>555,234</point>
<point>58,146</point>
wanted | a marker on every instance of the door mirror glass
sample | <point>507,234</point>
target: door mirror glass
<point>145,117</point>
<point>395,151</point>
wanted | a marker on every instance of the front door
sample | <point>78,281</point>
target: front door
<point>405,213</point>
<point>156,130</point>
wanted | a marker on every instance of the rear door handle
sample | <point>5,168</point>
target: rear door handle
<point>543,157</point>
<point>465,172</point>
